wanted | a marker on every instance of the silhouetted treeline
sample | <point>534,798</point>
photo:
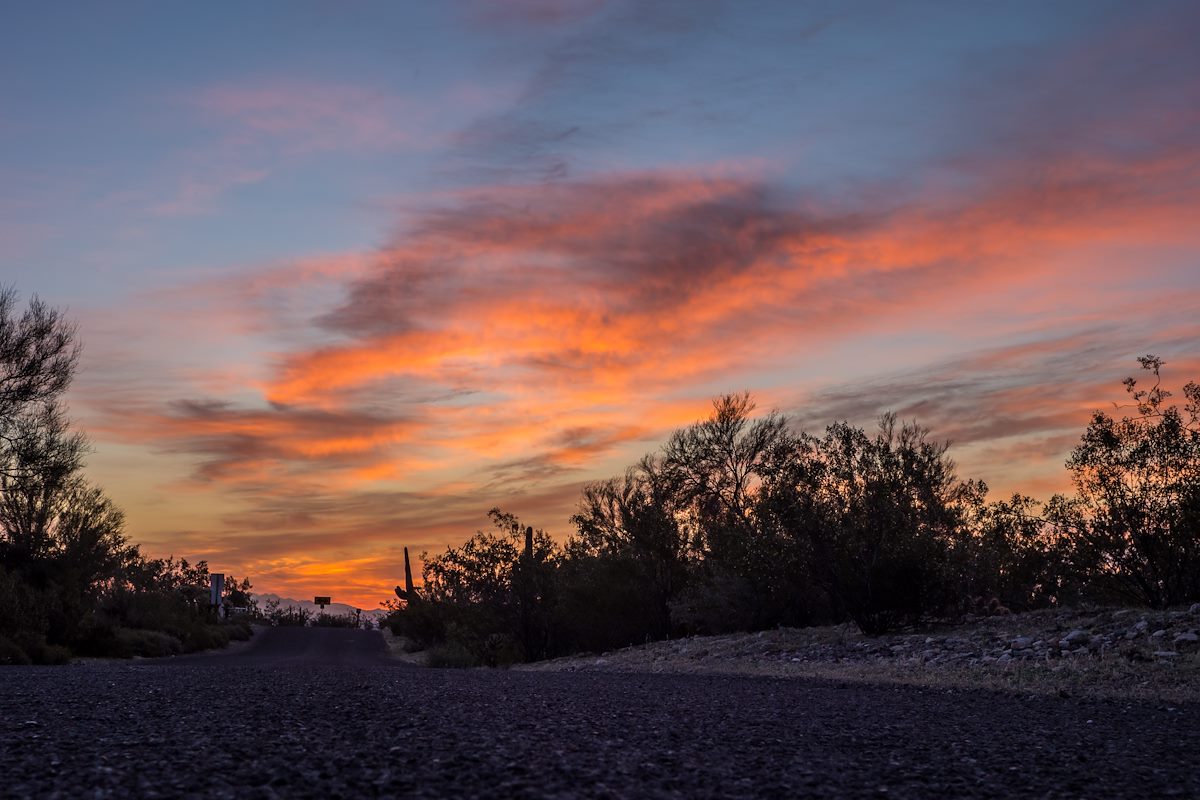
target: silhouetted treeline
<point>70,581</point>
<point>739,523</point>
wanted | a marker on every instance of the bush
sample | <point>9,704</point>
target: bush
<point>239,630</point>
<point>11,654</point>
<point>38,651</point>
<point>451,655</point>
<point>720,603</point>
<point>1136,517</point>
<point>146,644</point>
<point>421,622</point>
<point>603,603</point>
<point>205,637</point>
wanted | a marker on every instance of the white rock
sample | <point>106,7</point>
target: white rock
<point>1021,642</point>
<point>1186,638</point>
<point>1165,654</point>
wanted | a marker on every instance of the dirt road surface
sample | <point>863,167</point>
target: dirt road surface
<point>326,713</point>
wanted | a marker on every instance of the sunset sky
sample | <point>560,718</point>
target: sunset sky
<point>347,275</point>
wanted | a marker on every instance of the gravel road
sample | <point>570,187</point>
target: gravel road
<point>325,713</point>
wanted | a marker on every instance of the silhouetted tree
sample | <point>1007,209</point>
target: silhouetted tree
<point>38,354</point>
<point>716,467</point>
<point>68,575</point>
<point>39,461</point>
<point>876,518</point>
<point>486,594</point>
<point>1012,557</point>
<point>1137,510</point>
<point>630,550</point>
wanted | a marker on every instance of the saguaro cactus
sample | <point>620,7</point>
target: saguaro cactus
<point>407,593</point>
<point>526,580</point>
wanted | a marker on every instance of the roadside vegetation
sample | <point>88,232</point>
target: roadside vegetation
<point>742,523</point>
<point>71,583</point>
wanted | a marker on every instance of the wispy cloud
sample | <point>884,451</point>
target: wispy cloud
<point>521,335</point>
<point>308,117</point>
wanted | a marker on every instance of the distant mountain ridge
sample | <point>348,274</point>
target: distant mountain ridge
<point>337,609</point>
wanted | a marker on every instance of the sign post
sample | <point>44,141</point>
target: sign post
<point>216,588</point>
<point>322,601</point>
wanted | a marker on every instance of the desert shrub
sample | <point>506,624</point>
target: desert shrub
<point>1010,556</point>
<point>604,602</point>
<point>716,601</point>
<point>323,620</point>
<point>11,653</point>
<point>205,637</point>
<point>628,555</point>
<point>239,630</point>
<point>495,588</point>
<point>148,644</point>
<point>1135,518</point>
<point>874,517</point>
<point>451,654</point>
<point>422,623</point>
<point>276,615</point>
<point>41,652</point>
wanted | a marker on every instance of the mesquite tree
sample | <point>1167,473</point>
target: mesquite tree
<point>1137,510</point>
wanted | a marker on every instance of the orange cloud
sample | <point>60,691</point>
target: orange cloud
<point>518,341</point>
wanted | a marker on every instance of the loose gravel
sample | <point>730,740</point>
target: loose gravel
<point>325,713</point>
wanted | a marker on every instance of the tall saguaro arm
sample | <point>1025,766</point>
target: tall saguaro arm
<point>407,593</point>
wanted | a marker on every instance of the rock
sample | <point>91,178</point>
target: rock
<point>1021,642</point>
<point>1194,608</point>
<point>1140,625</point>
<point>1158,634</point>
<point>1072,639</point>
<point>1096,643</point>
<point>1165,653</point>
<point>1186,638</point>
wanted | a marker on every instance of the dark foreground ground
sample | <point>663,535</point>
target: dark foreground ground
<point>324,713</point>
